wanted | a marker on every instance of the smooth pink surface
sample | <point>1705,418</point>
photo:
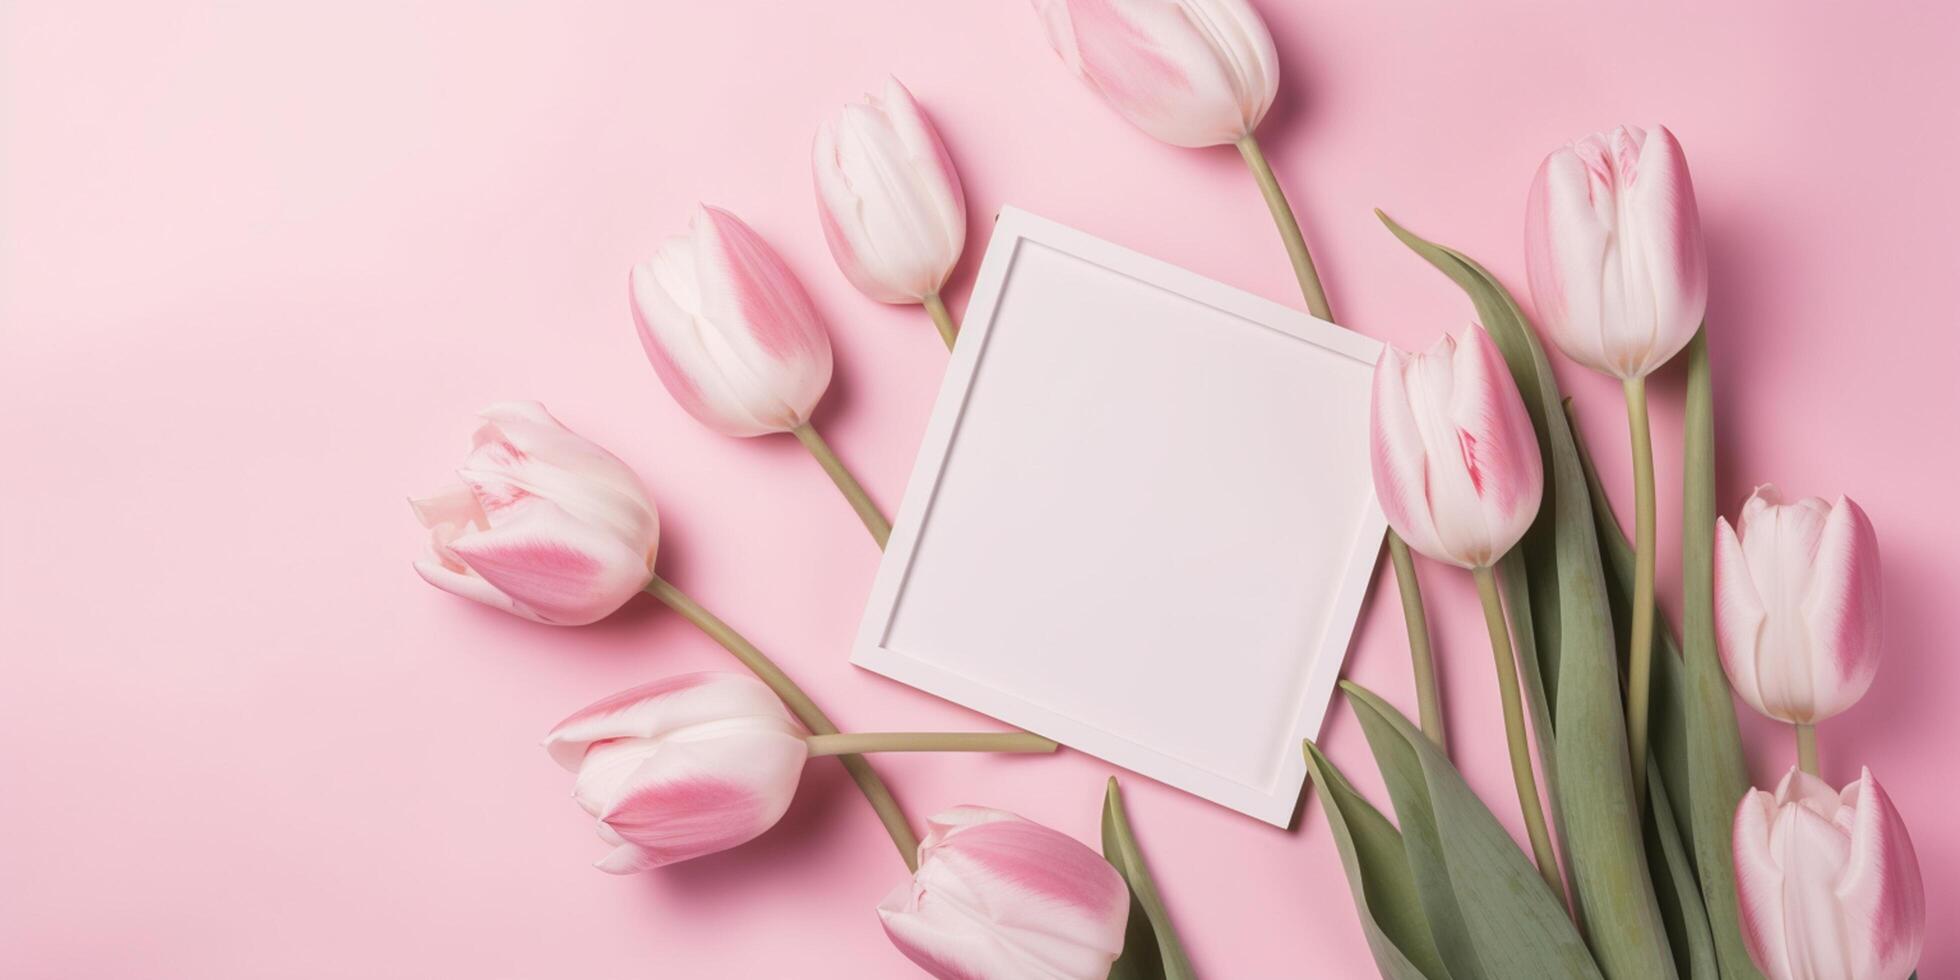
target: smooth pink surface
<point>260,263</point>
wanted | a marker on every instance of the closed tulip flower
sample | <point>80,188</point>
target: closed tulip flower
<point>729,329</point>
<point>681,767</point>
<point>999,897</point>
<point>1797,607</point>
<point>1613,250</point>
<point>541,523</point>
<point>1455,458</point>
<point>1828,882</point>
<point>1189,72</point>
<point>890,200</point>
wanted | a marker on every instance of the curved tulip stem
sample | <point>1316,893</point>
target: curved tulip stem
<point>1422,660</point>
<point>1807,749</point>
<point>1289,228</point>
<point>1514,735</point>
<point>948,330</point>
<point>851,743</point>
<point>868,512</point>
<point>1640,645</point>
<point>800,705</point>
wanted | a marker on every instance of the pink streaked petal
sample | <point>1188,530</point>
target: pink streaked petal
<point>944,940</point>
<point>626,859</point>
<point>671,338</point>
<point>767,296</point>
<point>1882,892</point>
<point>1496,440</point>
<point>1660,202</point>
<point>665,706</point>
<point>555,568</point>
<point>1843,605</point>
<point>1812,853</point>
<point>453,506</point>
<point>696,796</point>
<point>1566,244</point>
<point>928,152</point>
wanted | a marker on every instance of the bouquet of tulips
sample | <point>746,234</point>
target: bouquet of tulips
<point>1649,855</point>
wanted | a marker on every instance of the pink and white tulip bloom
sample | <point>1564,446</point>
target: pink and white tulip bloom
<point>1613,251</point>
<point>889,198</point>
<point>1797,605</point>
<point>681,767</point>
<point>1828,882</point>
<point>1455,457</point>
<point>542,522</point>
<point>1189,72</point>
<point>1000,897</point>
<point>729,329</point>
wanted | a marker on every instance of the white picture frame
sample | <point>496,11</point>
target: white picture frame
<point>1141,521</point>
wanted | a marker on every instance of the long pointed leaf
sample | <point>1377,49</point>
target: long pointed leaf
<point>1378,876</point>
<point>1515,925</point>
<point>1718,777</point>
<point>1151,950</point>
<point>1568,590</point>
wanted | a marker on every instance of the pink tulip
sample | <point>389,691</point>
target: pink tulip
<point>1454,454</point>
<point>889,198</point>
<point>542,523</point>
<point>1828,882</point>
<point>729,329</point>
<point>681,767</point>
<point>999,897</point>
<point>1189,72</point>
<point>1797,605</point>
<point>1613,251</point>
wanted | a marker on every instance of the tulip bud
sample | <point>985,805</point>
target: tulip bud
<point>1189,72</point>
<point>1797,605</point>
<point>889,198</point>
<point>999,897</point>
<point>543,523</point>
<point>1828,882</point>
<point>1455,457</point>
<point>1612,248</point>
<point>681,767</point>
<point>729,329</point>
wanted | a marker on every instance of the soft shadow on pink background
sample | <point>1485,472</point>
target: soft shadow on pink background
<point>259,263</point>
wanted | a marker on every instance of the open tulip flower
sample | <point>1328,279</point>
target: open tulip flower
<point>890,201</point>
<point>542,522</point>
<point>1613,250</point>
<point>684,766</point>
<point>1000,897</point>
<point>1828,882</point>
<point>737,342</point>
<point>1797,608</point>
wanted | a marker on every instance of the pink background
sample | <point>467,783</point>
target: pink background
<point>260,262</point>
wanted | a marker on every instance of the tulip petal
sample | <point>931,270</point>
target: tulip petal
<point>1881,889</point>
<point>889,198</point>
<point>1398,459</point>
<point>665,706</point>
<point>1664,231</point>
<point>696,796</point>
<point>1738,616</point>
<point>1842,608</point>
<point>1759,884</point>
<point>465,585</point>
<point>555,568</point>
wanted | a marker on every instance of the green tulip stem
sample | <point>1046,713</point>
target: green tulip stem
<point>1289,228</point>
<point>1807,748</point>
<point>936,308</point>
<point>853,743</point>
<point>800,705</point>
<point>1422,660</point>
<point>868,512</point>
<point>1514,735</point>
<point>1640,645</point>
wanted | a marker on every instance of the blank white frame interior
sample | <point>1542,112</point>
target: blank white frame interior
<point>1141,522</point>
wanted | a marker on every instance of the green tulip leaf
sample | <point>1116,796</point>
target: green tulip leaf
<point>1385,895</point>
<point>1576,654</point>
<point>1151,950</point>
<point>1718,775</point>
<point>1511,925</point>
